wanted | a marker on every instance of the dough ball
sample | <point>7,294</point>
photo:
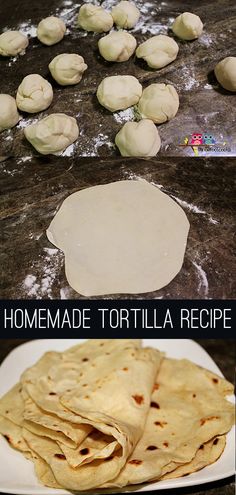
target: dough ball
<point>53,133</point>
<point>9,115</point>
<point>158,51</point>
<point>187,26</point>
<point>119,92</point>
<point>159,102</point>
<point>12,43</point>
<point>125,14</point>
<point>67,68</point>
<point>225,72</point>
<point>34,94</point>
<point>138,139</point>
<point>51,30</point>
<point>94,18</point>
<point>126,237</point>
<point>117,46</point>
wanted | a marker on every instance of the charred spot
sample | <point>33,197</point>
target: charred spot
<point>215,380</point>
<point>60,456</point>
<point>186,474</point>
<point>20,390</point>
<point>152,447</point>
<point>160,423</point>
<point>108,353</point>
<point>155,387</point>
<point>155,405</point>
<point>84,385</point>
<point>87,397</point>
<point>7,438</point>
<point>203,421</point>
<point>201,447</point>
<point>102,343</point>
<point>135,462</point>
<point>138,399</point>
<point>84,451</point>
<point>52,393</point>
<point>194,395</point>
<point>216,441</point>
<point>68,390</point>
<point>7,412</point>
<point>85,359</point>
<point>125,369</point>
<point>165,444</point>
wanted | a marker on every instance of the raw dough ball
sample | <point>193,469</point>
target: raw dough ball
<point>51,30</point>
<point>138,139</point>
<point>187,26</point>
<point>119,92</point>
<point>158,51</point>
<point>125,14</point>
<point>159,102</point>
<point>94,18</point>
<point>12,43</point>
<point>67,68</point>
<point>53,133</point>
<point>225,72</point>
<point>34,94</point>
<point>117,46</point>
<point>126,237</point>
<point>9,115</point>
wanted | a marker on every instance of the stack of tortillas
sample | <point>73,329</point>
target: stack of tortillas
<point>110,413</point>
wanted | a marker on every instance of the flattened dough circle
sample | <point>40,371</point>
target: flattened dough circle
<point>123,237</point>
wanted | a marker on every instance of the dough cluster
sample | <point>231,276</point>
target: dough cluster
<point>125,14</point>
<point>187,26</point>
<point>138,139</point>
<point>119,92</point>
<point>94,18</point>
<point>117,46</point>
<point>9,115</point>
<point>158,51</point>
<point>225,72</point>
<point>159,102</point>
<point>34,94</point>
<point>67,68</point>
<point>51,30</point>
<point>52,134</point>
<point>12,43</point>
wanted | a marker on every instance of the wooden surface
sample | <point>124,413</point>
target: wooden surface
<point>33,187</point>
<point>223,352</point>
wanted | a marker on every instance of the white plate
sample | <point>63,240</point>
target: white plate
<point>17,474</point>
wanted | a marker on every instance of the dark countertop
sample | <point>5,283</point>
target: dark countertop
<point>33,186</point>
<point>34,268</point>
<point>223,352</point>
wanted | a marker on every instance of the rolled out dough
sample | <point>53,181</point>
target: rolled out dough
<point>122,237</point>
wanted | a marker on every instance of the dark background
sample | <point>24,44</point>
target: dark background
<point>223,353</point>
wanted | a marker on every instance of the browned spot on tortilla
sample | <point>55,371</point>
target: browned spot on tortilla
<point>102,343</point>
<point>138,399</point>
<point>108,353</point>
<point>20,390</point>
<point>203,421</point>
<point>84,451</point>
<point>165,444</point>
<point>215,380</point>
<point>7,412</point>
<point>7,438</point>
<point>84,385</point>
<point>155,387</point>
<point>85,359</point>
<point>68,390</point>
<point>194,395</point>
<point>125,369</point>
<point>136,462</point>
<point>154,404</point>
<point>81,374</point>
<point>87,397</point>
<point>152,447</point>
<point>187,474</point>
<point>60,456</point>
<point>160,423</point>
<point>201,447</point>
<point>109,458</point>
<point>216,441</point>
<point>52,393</point>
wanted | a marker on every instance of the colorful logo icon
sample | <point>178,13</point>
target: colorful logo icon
<point>205,141</point>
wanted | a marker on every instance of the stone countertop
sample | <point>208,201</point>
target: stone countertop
<point>223,353</point>
<point>205,107</point>
<point>32,193</point>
